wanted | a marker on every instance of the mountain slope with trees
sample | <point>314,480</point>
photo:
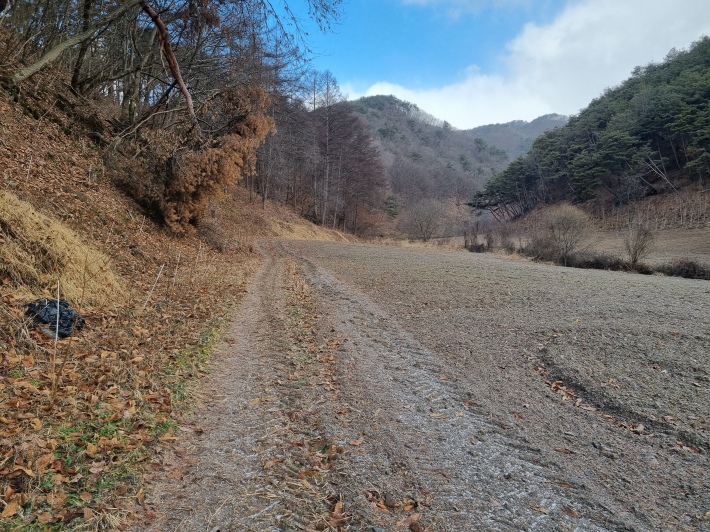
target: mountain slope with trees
<point>649,135</point>
<point>424,157</point>
<point>516,137</point>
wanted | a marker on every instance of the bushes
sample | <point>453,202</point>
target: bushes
<point>597,261</point>
<point>638,242</point>
<point>686,268</point>
<point>559,235</point>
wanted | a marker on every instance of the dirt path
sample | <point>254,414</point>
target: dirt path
<point>371,388</point>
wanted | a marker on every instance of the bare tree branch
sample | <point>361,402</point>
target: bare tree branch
<point>54,54</point>
<point>170,56</point>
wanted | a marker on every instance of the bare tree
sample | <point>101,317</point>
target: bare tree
<point>423,219</point>
<point>567,227</point>
<point>638,242</point>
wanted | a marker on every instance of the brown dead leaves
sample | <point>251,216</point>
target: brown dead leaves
<point>101,401</point>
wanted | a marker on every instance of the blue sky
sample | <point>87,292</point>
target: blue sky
<point>475,62</point>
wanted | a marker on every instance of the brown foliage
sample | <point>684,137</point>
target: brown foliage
<point>177,173</point>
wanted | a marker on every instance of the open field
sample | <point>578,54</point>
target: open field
<point>459,392</point>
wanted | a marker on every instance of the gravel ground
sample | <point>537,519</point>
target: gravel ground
<point>464,392</point>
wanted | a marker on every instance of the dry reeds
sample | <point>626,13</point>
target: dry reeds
<point>35,251</point>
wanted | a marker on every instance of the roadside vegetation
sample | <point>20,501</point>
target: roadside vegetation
<point>83,420</point>
<point>565,234</point>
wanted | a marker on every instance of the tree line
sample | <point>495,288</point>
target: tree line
<point>646,136</point>
<point>321,159</point>
<point>193,95</point>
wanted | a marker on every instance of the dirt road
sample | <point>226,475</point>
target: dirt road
<point>374,388</point>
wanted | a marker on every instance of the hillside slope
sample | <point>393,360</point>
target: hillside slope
<point>425,157</point>
<point>517,137</point>
<point>648,136</point>
<point>82,416</point>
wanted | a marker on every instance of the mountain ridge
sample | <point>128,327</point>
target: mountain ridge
<point>426,157</point>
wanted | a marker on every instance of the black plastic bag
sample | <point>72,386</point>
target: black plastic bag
<point>44,312</point>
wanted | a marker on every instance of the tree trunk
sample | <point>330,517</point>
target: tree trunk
<point>84,47</point>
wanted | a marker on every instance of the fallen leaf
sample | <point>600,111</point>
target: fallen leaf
<point>140,497</point>
<point>44,462</point>
<point>29,472</point>
<point>563,450</point>
<point>36,423</point>
<point>337,512</point>
<point>85,496</point>
<point>57,499</point>
<point>10,509</point>
<point>44,518</point>
<point>91,449</point>
<point>169,436</point>
<point>356,443</point>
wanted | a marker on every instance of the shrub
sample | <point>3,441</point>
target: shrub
<point>567,227</point>
<point>541,247</point>
<point>505,238</point>
<point>176,173</point>
<point>423,220</point>
<point>687,268</point>
<point>560,234</point>
<point>475,247</point>
<point>638,242</point>
<point>597,261</point>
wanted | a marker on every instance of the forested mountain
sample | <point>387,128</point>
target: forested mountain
<point>516,137</point>
<point>648,135</point>
<point>424,157</point>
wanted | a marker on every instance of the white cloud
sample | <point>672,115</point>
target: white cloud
<point>560,67</point>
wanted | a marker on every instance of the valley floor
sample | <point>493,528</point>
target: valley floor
<point>376,388</point>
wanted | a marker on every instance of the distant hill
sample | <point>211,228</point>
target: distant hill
<point>425,157</point>
<point>517,137</point>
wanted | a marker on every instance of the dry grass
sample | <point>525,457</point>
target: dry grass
<point>37,252</point>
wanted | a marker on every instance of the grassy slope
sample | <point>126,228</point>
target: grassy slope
<point>81,419</point>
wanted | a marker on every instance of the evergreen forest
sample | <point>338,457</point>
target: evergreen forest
<point>649,135</point>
